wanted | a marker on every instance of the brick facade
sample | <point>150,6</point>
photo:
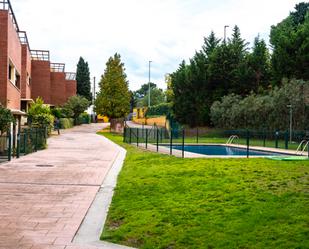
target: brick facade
<point>58,88</point>
<point>26,73</point>
<point>32,73</point>
<point>71,88</point>
<point>40,80</point>
<point>10,50</point>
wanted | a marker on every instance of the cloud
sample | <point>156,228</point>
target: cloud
<point>164,31</point>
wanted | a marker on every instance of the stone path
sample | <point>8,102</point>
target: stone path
<point>45,196</point>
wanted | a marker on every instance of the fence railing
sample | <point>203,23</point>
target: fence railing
<point>161,139</point>
<point>25,142</point>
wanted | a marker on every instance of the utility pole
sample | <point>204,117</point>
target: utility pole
<point>93,100</point>
<point>226,26</point>
<point>149,90</point>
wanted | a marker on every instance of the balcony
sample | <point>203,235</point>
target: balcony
<point>6,5</point>
<point>70,76</point>
<point>57,67</point>
<point>40,55</point>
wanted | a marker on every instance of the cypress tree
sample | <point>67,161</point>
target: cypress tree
<point>83,79</point>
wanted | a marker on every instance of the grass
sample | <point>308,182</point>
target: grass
<point>167,202</point>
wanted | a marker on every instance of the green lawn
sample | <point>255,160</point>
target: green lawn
<point>167,202</point>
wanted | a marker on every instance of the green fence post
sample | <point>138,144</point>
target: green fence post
<point>130,140</point>
<point>124,134</point>
<point>36,139</point>
<point>146,138</point>
<point>248,143</point>
<point>197,135</point>
<point>276,137</point>
<point>157,139</point>
<point>264,138</point>
<point>171,142</point>
<point>286,138</point>
<point>18,145</point>
<point>183,143</point>
<point>137,137</point>
<point>10,145</point>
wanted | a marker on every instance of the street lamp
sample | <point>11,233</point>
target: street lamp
<point>226,26</point>
<point>291,120</point>
<point>149,85</point>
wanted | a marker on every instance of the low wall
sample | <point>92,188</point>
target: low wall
<point>159,121</point>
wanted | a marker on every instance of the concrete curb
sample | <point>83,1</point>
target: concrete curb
<point>92,225</point>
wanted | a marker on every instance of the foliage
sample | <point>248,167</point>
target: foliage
<point>6,118</point>
<point>39,115</point>
<point>168,202</point>
<point>83,79</point>
<point>140,97</point>
<point>157,97</point>
<point>162,109</point>
<point>76,105</point>
<point>66,123</point>
<point>289,40</point>
<point>264,111</point>
<point>83,118</point>
<point>57,112</point>
<point>113,100</point>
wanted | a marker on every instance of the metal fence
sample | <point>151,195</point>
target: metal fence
<point>25,142</point>
<point>163,140</point>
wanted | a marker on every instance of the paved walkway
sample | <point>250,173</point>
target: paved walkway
<point>45,196</point>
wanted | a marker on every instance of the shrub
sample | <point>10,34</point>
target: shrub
<point>162,109</point>
<point>66,123</point>
<point>39,115</point>
<point>84,118</point>
<point>6,118</point>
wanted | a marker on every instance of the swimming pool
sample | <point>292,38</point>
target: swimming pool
<point>224,150</point>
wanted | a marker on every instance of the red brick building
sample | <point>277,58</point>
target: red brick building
<point>26,74</point>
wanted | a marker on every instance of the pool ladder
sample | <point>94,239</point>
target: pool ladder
<point>299,150</point>
<point>231,139</point>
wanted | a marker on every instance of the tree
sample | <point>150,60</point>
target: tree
<point>259,63</point>
<point>289,40</point>
<point>83,79</point>
<point>76,105</point>
<point>157,97</point>
<point>113,100</point>
<point>6,118</point>
<point>210,44</point>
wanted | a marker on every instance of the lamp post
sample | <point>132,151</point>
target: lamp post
<point>226,26</point>
<point>149,91</point>
<point>291,120</point>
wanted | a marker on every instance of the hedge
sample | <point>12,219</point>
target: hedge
<point>66,123</point>
<point>158,110</point>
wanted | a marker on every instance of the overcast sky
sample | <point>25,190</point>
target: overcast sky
<point>163,31</point>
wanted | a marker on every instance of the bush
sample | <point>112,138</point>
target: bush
<point>268,111</point>
<point>159,110</point>
<point>39,115</point>
<point>84,118</point>
<point>6,118</point>
<point>66,123</point>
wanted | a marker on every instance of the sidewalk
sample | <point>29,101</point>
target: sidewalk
<point>45,196</point>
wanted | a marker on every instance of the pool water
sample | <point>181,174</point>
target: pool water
<point>222,150</point>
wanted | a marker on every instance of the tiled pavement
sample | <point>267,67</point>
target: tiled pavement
<point>43,207</point>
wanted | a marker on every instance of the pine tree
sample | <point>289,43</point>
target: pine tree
<point>210,44</point>
<point>83,79</point>
<point>114,97</point>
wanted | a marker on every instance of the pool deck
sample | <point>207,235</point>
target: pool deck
<point>178,153</point>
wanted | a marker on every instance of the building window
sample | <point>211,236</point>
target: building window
<point>14,76</point>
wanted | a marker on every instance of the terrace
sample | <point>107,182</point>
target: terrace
<point>70,76</point>
<point>40,55</point>
<point>6,5</point>
<point>57,67</point>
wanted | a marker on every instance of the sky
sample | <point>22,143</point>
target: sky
<point>162,31</point>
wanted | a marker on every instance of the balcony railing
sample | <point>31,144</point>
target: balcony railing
<point>6,5</point>
<point>23,38</point>
<point>57,67</point>
<point>40,55</point>
<point>70,76</point>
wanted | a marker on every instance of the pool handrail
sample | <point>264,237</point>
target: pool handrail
<point>299,151</point>
<point>231,139</point>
